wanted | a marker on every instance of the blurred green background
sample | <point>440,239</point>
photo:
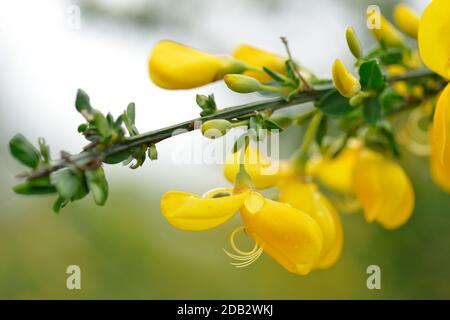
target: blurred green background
<point>126,249</point>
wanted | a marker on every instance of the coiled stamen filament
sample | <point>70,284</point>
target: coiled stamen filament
<point>246,258</point>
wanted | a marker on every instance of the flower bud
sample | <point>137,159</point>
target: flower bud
<point>216,128</point>
<point>385,32</point>
<point>242,84</point>
<point>344,81</point>
<point>353,43</point>
<point>407,20</point>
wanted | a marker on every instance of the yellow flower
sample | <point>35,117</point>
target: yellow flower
<point>385,191</point>
<point>434,42</point>
<point>336,174</point>
<point>307,198</point>
<point>439,173</point>
<point>287,234</point>
<point>434,48</point>
<point>290,236</point>
<point>258,58</point>
<point>265,172</point>
<point>386,33</point>
<point>187,211</point>
<point>440,141</point>
<point>344,81</point>
<point>407,20</point>
<point>176,66</point>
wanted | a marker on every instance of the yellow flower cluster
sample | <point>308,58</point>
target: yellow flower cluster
<point>302,230</point>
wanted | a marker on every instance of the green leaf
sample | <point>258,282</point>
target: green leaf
<point>24,151</point>
<point>372,110</point>
<point>131,112</point>
<point>102,125</point>
<point>290,70</point>
<point>152,152</point>
<point>44,149</point>
<point>83,105</point>
<point>98,185</point>
<point>82,127</point>
<point>333,104</point>
<point>70,185</point>
<point>36,186</point>
<point>207,104</point>
<point>59,204</point>
<point>321,131</point>
<point>278,77</point>
<point>371,76</point>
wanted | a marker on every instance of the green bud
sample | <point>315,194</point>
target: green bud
<point>353,43</point>
<point>242,84</point>
<point>216,128</point>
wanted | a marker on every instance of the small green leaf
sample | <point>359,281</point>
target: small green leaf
<point>333,104</point>
<point>70,185</point>
<point>82,102</point>
<point>372,110</point>
<point>207,104</point>
<point>24,151</point>
<point>36,186</point>
<point>59,204</point>
<point>278,77</point>
<point>393,56</point>
<point>131,112</point>
<point>371,76</point>
<point>282,121</point>
<point>82,127</point>
<point>83,105</point>
<point>152,152</point>
<point>98,185</point>
<point>44,149</point>
<point>102,125</point>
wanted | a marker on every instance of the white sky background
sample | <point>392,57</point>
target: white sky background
<point>43,61</point>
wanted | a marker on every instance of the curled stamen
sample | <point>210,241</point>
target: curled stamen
<point>245,258</point>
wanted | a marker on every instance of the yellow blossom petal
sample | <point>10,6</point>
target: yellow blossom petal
<point>407,20</point>
<point>439,173</point>
<point>434,40</point>
<point>440,142</point>
<point>265,172</point>
<point>336,174</point>
<point>176,66</point>
<point>384,189</point>
<point>259,58</point>
<point>386,32</point>
<point>287,234</point>
<point>188,211</point>
<point>307,198</point>
<point>344,81</point>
